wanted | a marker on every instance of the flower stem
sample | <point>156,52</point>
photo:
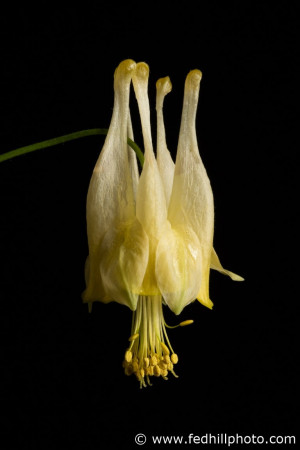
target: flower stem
<point>137,150</point>
<point>66,138</point>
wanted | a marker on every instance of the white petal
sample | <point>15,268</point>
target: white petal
<point>140,84</point>
<point>216,265</point>
<point>94,287</point>
<point>191,201</point>
<point>178,267</point>
<point>165,163</point>
<point>151,207</point>
<point>110,197</point>
<point>124,258</point>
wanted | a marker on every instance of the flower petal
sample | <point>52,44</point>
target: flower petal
<point>165,163</point>
<point>124,258</point>
<point>151,207</point>
<point>110,199</point>
<point>178,267</point>
<point>216,265</point>
<point>94,287</point>
<point>191,202</point>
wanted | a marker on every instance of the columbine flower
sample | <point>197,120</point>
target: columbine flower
<point>150,236</point>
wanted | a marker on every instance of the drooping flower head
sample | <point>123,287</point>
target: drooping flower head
<point>150,235</point>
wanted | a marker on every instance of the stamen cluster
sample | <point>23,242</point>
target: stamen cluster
<point>152,365</point>
<point>150,352</point>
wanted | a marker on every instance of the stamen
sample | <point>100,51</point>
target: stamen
<point>174,358</point>
<point>165,348</point>
<point>186,322</point>
<point>153,360</point>
<point>135,366</point>
<point>181,324</point>
<point>128,356</point>
<point>133,337</point>
<point>157,371</point>
<point>167,359</point>
<point>164,374</point>
<point>174,374</point>
<point>150,352</point>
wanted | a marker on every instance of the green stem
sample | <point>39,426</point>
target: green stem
<point>66,138</point>
<point>137,150</point>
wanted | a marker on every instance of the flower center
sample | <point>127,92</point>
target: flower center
<point>150,352</point>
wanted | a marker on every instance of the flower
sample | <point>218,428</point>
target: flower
<point>150,236</point>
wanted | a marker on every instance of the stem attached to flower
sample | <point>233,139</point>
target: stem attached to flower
<point>137,150</point>
<point>66,138</point>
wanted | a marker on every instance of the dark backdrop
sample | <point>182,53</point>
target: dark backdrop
<point>63,385</point>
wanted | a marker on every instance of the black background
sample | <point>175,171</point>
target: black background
<point>63,385</point>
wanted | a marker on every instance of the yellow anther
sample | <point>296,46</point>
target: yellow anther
<point>135,366</point>
<point>174,358</point>
<point>167,359</point>
<point>170,366</point>
<point>186,322</point>
<point>156,371</point>
<point>128,356</point>
<point>133,337</point>
<point>164,373</point>
<point>165,348</point>
<point>142,373</point>
<point>146,362</point>
<point>150,370</point>
<point>153,360</point>
<point>128,370</point>
<point>162,365</point>
<point>138,376</point>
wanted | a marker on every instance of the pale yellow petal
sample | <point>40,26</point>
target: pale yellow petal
<point>124,258</point>
<point>203,294</point>
<point>178,267</point>
<point>216,265</point>
<point>191,201</point>
<point>151,207</point>
<point>110,195</point>
<point>165,163</point>
<point>110,199</point>
<point>94,287</point>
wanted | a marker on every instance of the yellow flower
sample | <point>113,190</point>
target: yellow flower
<point>150,236</point>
